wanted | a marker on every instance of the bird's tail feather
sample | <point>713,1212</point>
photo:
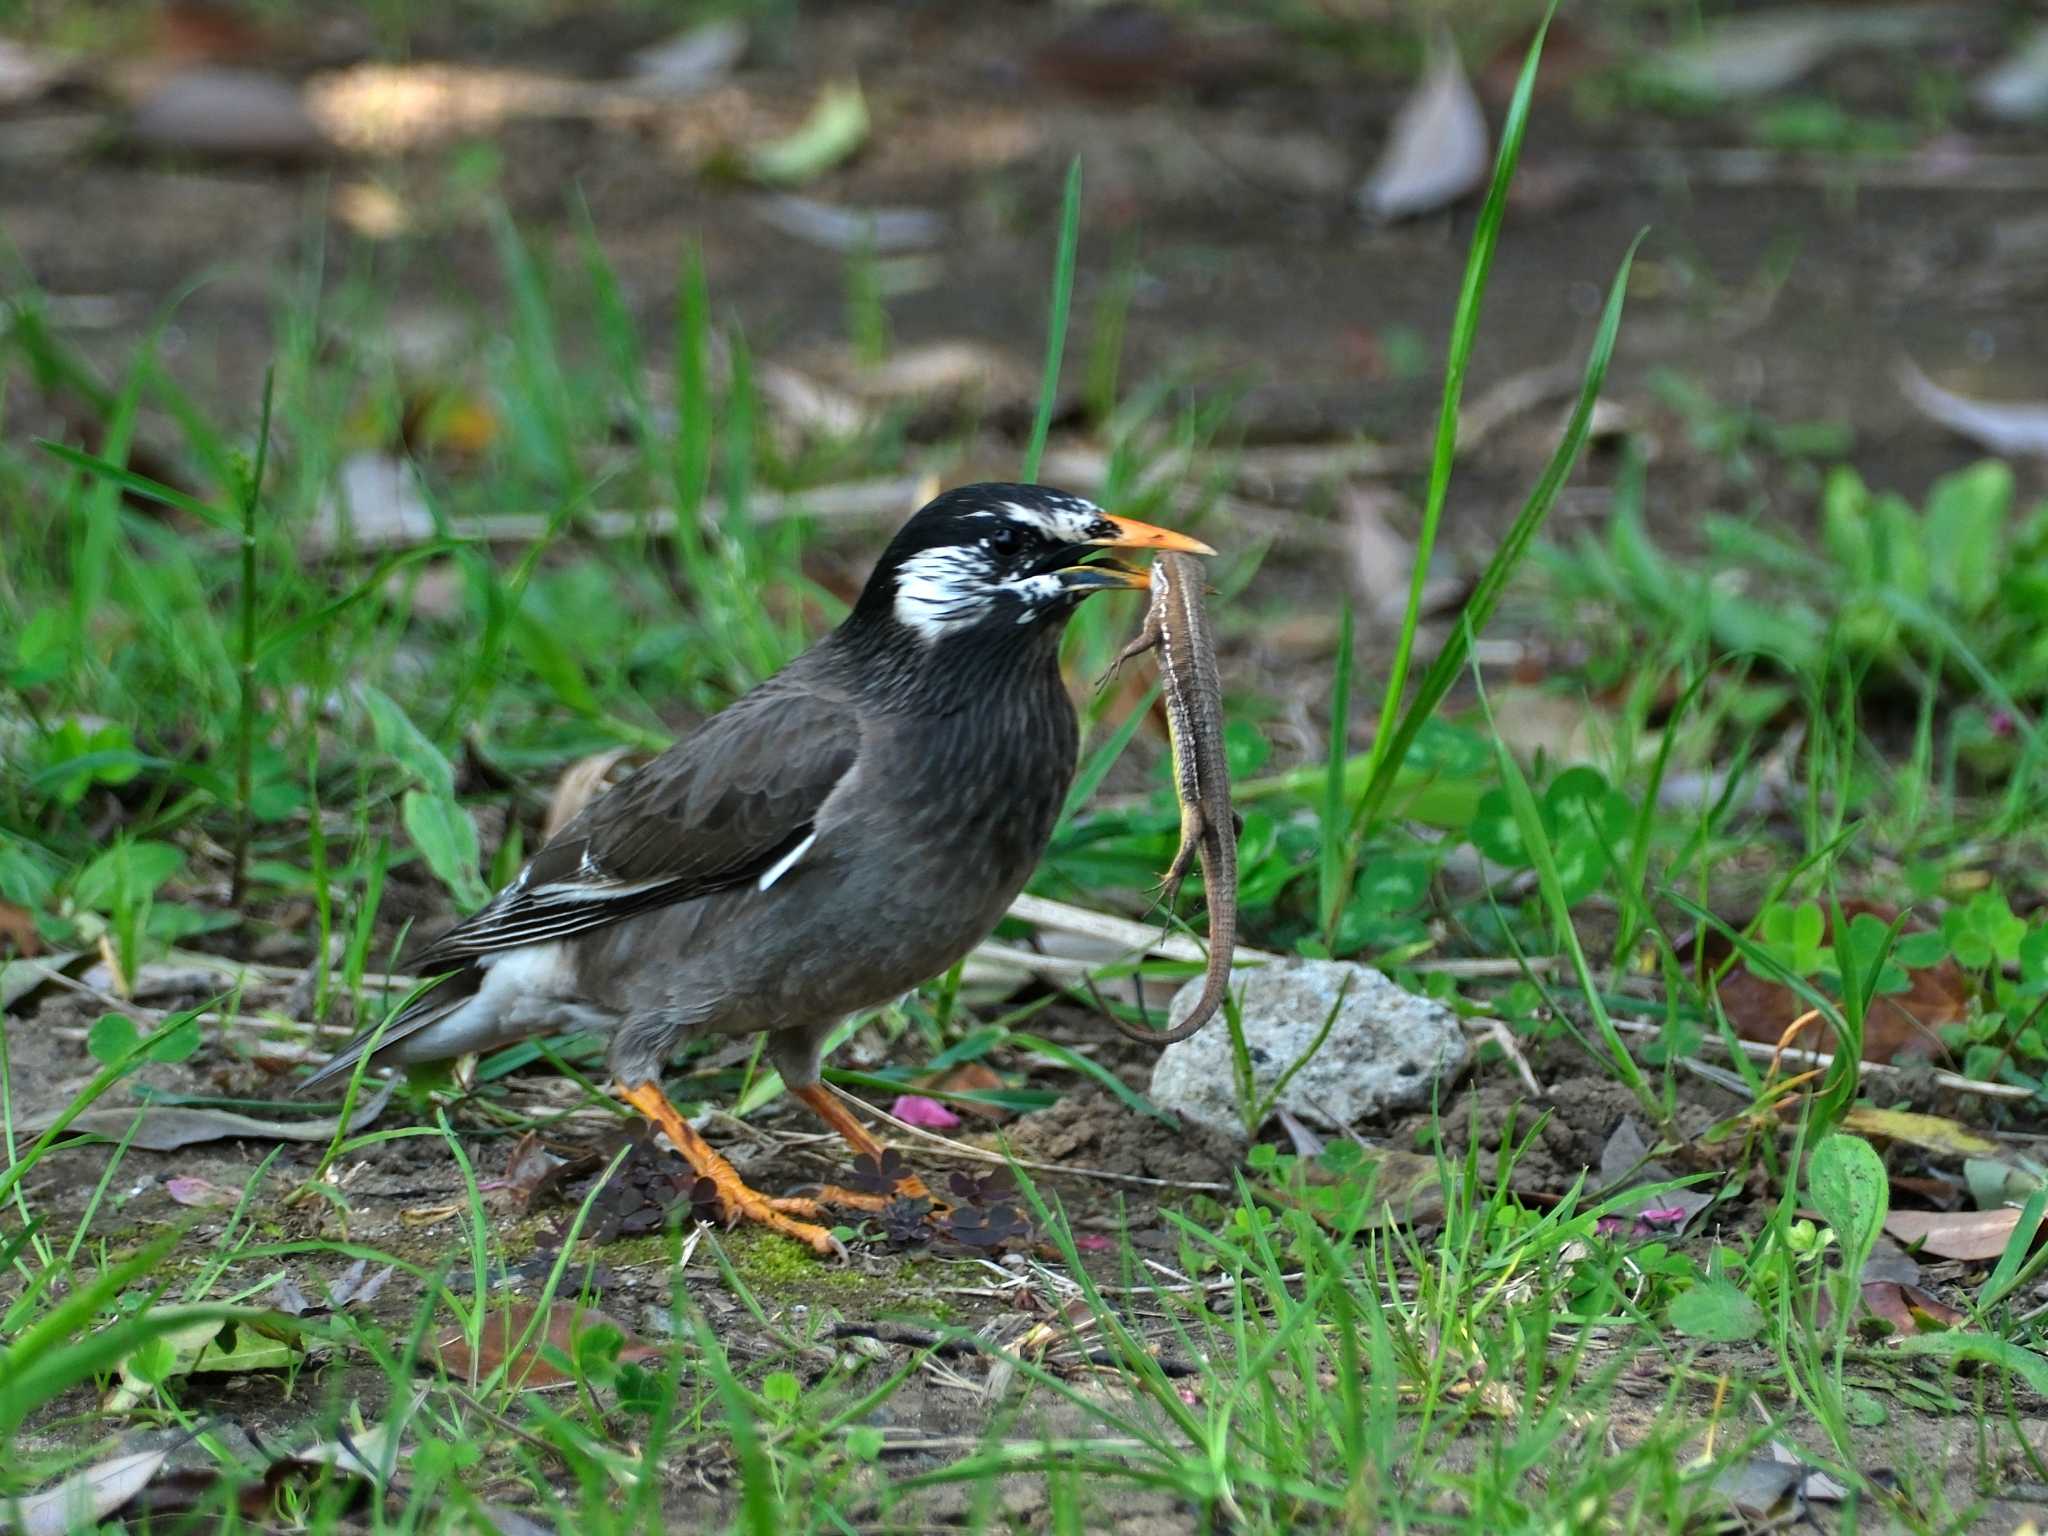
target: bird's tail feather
<point>429,1008</point>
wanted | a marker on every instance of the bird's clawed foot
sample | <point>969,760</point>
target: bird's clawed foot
<point>736,1200</point>
<point>883,1180</point>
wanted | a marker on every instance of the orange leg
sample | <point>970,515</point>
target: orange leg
<point>827,1107</point>
<point>740,1202</point>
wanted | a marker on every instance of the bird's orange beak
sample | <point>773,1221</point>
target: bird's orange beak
<point>1131,534</point>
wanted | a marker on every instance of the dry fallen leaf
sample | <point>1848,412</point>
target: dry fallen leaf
<point>2003,426</point>
<point>693,60</point>
<point>85,1498</point>
<point>1932,1132</point>
<point>167,1127</point>
<point>503,1330</point>
<point>927,1113</point>
<point>18,978</point>
<point>18,931</point>
<point>1439,148</point>
<point>1907,1307</point>
<point>1765,51</point>
<point>1898,1024</point>
<point>970,1077</point>
<point>868,231</point>
<point>526,1169</point>
<point>580,782</point>
<point>2016,88</point>
<point>200,1192</point>
<point>222,113</point>
<point>1955,1234</point>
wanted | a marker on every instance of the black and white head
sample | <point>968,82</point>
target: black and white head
<point>985,559</point>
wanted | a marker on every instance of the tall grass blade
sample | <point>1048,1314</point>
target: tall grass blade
<point>1389,751</point>
<point>1464,331</point>
<point>1056,333</point>
<point>245,601</point>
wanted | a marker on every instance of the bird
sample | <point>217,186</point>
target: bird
<point>841,833</point>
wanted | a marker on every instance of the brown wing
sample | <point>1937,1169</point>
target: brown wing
<point>719,809</point>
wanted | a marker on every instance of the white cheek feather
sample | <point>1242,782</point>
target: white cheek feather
<point>1034,592</point>
<point>939,590</point>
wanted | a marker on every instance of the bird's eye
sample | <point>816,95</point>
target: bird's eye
<point>1004,541</point>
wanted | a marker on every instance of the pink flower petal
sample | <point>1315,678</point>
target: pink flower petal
<point>927,1114</point>
<point>1092,1242</point>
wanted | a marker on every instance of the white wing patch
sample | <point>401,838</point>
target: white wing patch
<point>783,865</point>
<point>597,890</point>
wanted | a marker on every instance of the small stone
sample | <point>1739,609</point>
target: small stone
<point>1387,1049</point>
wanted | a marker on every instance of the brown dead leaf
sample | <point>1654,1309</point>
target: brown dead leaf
<point>187,1190</point>
<point>530,1368</point>
<point>1901,1024</point>
<point>1908,1308</point>
<point>1955,1234</point>
<point>969,1077</point>
<point>582,780</point>
<point>527,1169</point>
<point>18,934</point>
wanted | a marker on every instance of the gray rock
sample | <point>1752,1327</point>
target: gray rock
<point>1388,1049</point>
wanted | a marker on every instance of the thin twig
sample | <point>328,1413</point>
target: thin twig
<point>1765,1052</point>
<point>857,501</point>
<point>1497,1032</point>
<point>976,1154</point>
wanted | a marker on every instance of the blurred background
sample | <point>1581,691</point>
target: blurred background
<point>1835,193</point>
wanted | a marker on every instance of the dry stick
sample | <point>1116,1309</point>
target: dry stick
<point>1950,1080</point>
<point>976,1154</point>
<point>1756,168</point>
<point>1120,931</point>
<point>855,501</point>
<point>1497,1032</point>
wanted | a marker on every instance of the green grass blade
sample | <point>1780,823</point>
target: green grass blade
<point>141,485</point>
<point>1056,336</point>
<point>1537,840</point>
<point>1336,857</point>
<point>1104,757</point>
<point>1464,331</point>
<point>1436,682</point>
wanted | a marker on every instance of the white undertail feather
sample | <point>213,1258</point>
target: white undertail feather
<point>515,982</point>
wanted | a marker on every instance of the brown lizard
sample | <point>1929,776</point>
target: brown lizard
<point>1177,625</point>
